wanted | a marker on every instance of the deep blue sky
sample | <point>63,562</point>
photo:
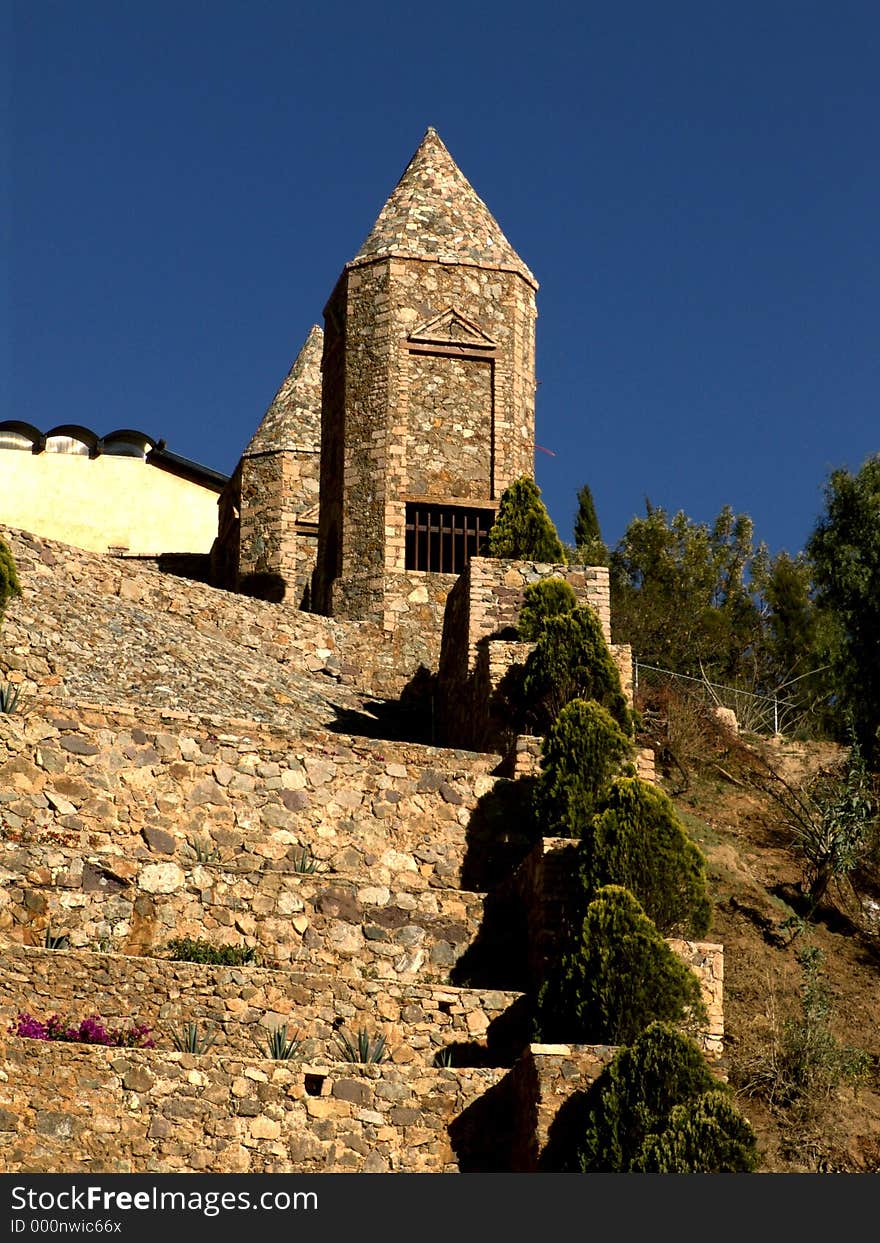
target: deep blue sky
<point>695,184</point>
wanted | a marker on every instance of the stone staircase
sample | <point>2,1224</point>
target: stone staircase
<point>104,813</point>
<point>384,885</point>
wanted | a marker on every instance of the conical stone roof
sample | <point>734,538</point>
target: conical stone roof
<point>293,420</point>
<point>435,213</point>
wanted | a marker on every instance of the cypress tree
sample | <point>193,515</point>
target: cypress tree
<point>583,751</point>
<point>636,839</point>
<point>617,978</point>
<point>523,529</point>
<point>542,600</point>
<point>587,535</point>
<point>571,660</point>
<point>634,1096</point>
<point>707,1135</point>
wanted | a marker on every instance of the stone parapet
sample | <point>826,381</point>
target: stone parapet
<point>480,644</point>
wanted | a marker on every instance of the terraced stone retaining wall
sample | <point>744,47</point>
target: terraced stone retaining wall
<point>116,781</point>
<point>73,1109</point>
<point>240,1005</point>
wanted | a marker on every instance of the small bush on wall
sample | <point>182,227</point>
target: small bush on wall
<point>523,530</point>
<point>91,1030</point>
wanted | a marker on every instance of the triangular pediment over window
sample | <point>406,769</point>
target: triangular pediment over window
<point>450,327</point>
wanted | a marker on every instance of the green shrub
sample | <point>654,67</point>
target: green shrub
<point>582,753</point>
<point>305,862</point>
<point>542,600</point>
<point>590,548</point>
<point>188,949</point>
<point>204,851</point>
<point>571,660</point>
<point>9,584</point>
<point>10,694</point>
<point>523,529</point>
<point>707,1135</point>
<point>617,978</point>
<point>637,840</point>
<point>634,1097</point>
<point>55,940</point>
<point>801,1062</point>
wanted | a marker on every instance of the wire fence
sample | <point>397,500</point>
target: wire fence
<point>778,713</point>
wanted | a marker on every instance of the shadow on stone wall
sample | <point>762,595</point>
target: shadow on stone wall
<point>559,1155</point>
<point>500,834</point>
<point>482,1135</point>
<point>263,586</point>
<point>498,957</point>
<point>505,1039</point>
<point>409,718</point>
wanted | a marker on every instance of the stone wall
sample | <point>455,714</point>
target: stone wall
<point>479,646</point>
<point>276,487</point>
<point>240,1005</point>
<point>356,926</point>
<point>128,831</point>
<point>43,649</point>
<point>542,1082</point>
<point>151,786</point>
<point>75,1109</point>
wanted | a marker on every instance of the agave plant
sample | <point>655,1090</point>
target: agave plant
<point>55,941</point>
<point>281,1047</point>
<point>204,852</point>
<point>362,1047</point>
<point>305,861</point>
<point>9,697</point>
<point>189,1039</point>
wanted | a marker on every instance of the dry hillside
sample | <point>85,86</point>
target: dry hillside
<point>758,881</point>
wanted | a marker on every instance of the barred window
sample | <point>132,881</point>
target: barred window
<point>443,538</point>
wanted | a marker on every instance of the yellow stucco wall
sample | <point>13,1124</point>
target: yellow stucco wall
<point>105,502</point>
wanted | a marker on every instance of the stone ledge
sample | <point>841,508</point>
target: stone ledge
<point>489,1027</point>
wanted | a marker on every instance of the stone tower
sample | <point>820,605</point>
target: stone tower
<point>268,511</point>
<point>428,394</point>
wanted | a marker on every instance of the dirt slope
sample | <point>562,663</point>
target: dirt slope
<point>756,876</point>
